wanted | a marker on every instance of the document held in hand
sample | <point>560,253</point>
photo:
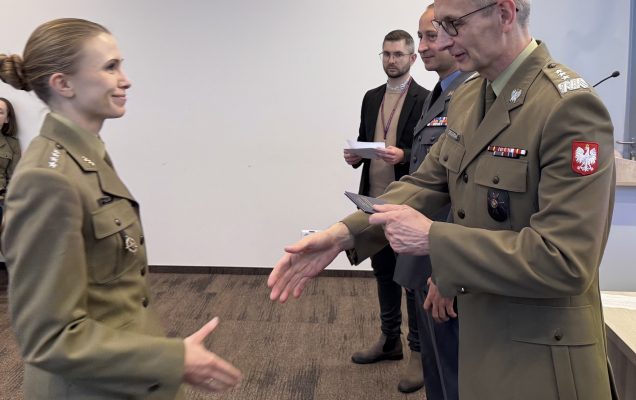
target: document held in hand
<point>364,149</point>
<point>364,203</point>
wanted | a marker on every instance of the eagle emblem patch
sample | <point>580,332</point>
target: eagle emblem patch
<point>584,157</point>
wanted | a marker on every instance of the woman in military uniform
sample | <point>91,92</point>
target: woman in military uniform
<point>9,146</point>
<point>74,245</point>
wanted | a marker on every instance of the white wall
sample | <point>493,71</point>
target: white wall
<point>239,109</point>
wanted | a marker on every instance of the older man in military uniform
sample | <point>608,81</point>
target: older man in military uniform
<point>527,165</point>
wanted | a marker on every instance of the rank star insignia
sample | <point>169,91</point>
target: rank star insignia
<point>563,75</point>
<point>54,158</point>
<point>514,96</point>
<point>88,161</point>
<point>584,157</point>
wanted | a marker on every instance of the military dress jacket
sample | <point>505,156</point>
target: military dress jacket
<point>411,108</point>
<point>79,300</point>
<point>413,271</point>
<point>9,157</point>
<point>532,192</point>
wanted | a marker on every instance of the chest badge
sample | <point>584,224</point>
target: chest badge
<point>130,245</point>
<point>438,121</point>
<point>584,157</point>
<point>508,152</point>
<point>498,204</point>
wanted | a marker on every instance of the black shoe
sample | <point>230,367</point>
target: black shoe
<point>383,349</point>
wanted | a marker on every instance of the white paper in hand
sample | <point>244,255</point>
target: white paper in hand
<point>364,149</point>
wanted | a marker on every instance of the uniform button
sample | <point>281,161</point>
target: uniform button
<point>117,222</point>
<point>552,65</point>
<point>414,160</point>
<point>145,302</point>
<point>154,387</point>
<point>461,214</point>
<point>419,138</point>
<point>143,271</point>
<point>495,179</point>
<point>142,240</point>
<point>446,157</point>
<point>461,290</point>
<point>433,139</point>
<point>59,146</point>
<point>558,335</point>
<point>465,177</point>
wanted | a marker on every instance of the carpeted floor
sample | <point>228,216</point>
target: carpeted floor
<point>297,351</point>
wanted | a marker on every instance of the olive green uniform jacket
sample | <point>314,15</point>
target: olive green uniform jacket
<point>9,157</point>
<point>527,287</point>
<point>79,300</point>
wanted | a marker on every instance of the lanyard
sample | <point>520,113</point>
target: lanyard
<point>386,125</point>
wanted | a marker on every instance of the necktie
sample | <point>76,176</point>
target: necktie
<point>489,98</point>
<point>436,92</point>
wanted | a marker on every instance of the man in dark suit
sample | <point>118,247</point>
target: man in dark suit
<point>389,114</point>
<point>438,341</point>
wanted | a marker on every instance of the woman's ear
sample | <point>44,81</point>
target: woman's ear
<point>61,85</point>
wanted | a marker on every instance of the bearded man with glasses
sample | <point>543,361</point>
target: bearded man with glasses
<point>527,164</point>
<point>389,114</point>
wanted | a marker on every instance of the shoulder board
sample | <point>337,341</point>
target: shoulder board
<point>564,79</point>
<point>53,156</point>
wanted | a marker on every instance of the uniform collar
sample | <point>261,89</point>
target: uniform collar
<point>446,82</point>
<point>86,149</point>
<point>83,146</point>
<point>501,81</point>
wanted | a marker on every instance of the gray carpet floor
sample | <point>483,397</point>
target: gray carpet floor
<point>297,351</point>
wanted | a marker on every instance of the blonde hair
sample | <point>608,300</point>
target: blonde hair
<point>53,47</point>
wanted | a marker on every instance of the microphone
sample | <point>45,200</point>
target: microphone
<point>614,75</point>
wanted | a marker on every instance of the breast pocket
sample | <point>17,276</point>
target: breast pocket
<point>502,183</point>
<point>115,227</point>
<point>451,154</point>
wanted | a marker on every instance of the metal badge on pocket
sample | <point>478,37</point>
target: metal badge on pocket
<point>498,204</point>
<point>130,244</point>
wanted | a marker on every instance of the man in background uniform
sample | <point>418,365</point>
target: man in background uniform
<point>389,114</point>
<point>438,341</point>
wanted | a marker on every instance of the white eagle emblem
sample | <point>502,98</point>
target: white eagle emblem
<point>585,158</point>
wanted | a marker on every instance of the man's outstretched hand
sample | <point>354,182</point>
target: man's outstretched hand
<point>305,259</point>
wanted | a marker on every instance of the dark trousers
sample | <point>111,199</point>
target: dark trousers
<point>390,298</point>
<point>439,343</point>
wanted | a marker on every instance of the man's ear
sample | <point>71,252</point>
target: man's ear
<point>61,85</point>
<point>508,14</point>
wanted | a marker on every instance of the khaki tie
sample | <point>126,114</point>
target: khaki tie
<point>489,98</point>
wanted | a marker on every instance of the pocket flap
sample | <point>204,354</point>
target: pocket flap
<point>555,326</point>
<point>113,218</point>
<point>451,154</point>
<point>502,173</point>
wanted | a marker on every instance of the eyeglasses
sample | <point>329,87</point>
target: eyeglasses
<point>450,26</point>
<point>385,55</point>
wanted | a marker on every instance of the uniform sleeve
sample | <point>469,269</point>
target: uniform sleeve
<point>48,298</point>
<point>559,252</point>
<point>426,190</point>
